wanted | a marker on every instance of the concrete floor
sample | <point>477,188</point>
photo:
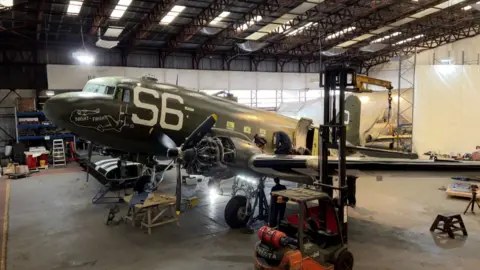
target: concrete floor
<point>53,225</point>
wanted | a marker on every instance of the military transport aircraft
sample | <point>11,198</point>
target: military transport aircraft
<point>207,135</point>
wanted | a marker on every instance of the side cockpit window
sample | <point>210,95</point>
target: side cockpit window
<point>110,90</point>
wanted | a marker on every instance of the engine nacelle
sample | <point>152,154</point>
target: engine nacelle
<point>222,157</point>
<point>243,150</point>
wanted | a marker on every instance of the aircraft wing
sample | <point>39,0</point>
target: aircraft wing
<point>299,168</point>
<point>390,137</point>
<point>381,153</point>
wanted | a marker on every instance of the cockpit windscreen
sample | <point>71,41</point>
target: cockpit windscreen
<point>99,88</point>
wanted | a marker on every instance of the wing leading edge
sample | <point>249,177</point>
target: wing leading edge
<point>301,168</point>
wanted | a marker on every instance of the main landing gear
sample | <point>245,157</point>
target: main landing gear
<point>239,211</point>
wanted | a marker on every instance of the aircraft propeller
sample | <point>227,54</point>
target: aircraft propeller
<point>185,153</point>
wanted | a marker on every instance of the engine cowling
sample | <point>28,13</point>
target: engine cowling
<point>221,156</point>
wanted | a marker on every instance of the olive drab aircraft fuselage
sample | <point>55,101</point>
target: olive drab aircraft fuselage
<point>120,113</point>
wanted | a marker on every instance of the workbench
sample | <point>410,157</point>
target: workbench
<point>158,209</point>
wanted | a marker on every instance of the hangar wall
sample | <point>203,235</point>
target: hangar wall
<point>292,86</point>
<point>447,108</point>
<point>75,76</point>
<point>7,118</point>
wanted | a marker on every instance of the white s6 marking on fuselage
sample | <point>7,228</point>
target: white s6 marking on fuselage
<point>155,111</point>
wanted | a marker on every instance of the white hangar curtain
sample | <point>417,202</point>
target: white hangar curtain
<point>447,109</point>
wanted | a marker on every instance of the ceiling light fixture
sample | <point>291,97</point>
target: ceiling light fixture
<point>475,6</point>
<point>6,4</point>
<point>378,40</point>
<point>172,14</point>
<point>411,18</point>
<point>409,39</point>
<point>84,57</point>
<point>341,32</point>
<point>74,7</point>
<point>252,21</point>
<point>120,9</point>
<point>298,30</point>
<point>220,17</point>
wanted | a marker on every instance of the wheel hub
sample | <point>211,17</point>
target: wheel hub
<point>242,213</point>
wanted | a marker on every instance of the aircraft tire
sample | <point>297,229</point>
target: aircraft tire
<point>233,212</point>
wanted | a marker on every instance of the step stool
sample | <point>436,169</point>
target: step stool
<point>58,153</point>
<point>449,224</point>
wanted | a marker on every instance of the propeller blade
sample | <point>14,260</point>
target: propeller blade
<point>161,142</point>
<point>89,157</point>
<point>200,132</point>
<point>178,191</point>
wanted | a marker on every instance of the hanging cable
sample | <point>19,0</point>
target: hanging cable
<point>389,115</point>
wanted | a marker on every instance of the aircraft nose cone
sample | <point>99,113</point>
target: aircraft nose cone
<point>56,107</point>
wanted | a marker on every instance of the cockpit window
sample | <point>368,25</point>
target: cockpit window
<point>98,88</point>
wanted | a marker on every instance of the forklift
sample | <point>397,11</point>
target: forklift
<point>316,237</point>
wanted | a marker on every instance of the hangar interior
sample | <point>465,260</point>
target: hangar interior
<point>72,173</point>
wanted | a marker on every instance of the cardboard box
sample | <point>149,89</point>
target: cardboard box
<point>26,104</point>
<point>10,168</point>
<point>15,168</point>
<point>21,169</point>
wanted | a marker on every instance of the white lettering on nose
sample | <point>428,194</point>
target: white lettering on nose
<point>155,112</point>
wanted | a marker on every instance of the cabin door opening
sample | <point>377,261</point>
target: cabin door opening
<point>301,132</point>
<point>311,144</point>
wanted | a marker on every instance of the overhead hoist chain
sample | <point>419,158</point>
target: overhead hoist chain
<point>389,116</point>
<point>389,105</point>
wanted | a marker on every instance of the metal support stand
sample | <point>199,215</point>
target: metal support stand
<point>473,201</point>
<point>333,136</point>
<point>261,202</point>
<point>101,198</point>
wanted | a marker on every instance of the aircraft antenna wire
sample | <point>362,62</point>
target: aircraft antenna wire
<point>81,34</point>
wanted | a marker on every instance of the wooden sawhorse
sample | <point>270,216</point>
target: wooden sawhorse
<point>157,210</point>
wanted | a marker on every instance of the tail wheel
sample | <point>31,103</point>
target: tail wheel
<point>344,261</point>
<point>236,212</point>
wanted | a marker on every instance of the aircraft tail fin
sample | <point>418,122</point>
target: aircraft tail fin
<point>352,119</point>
